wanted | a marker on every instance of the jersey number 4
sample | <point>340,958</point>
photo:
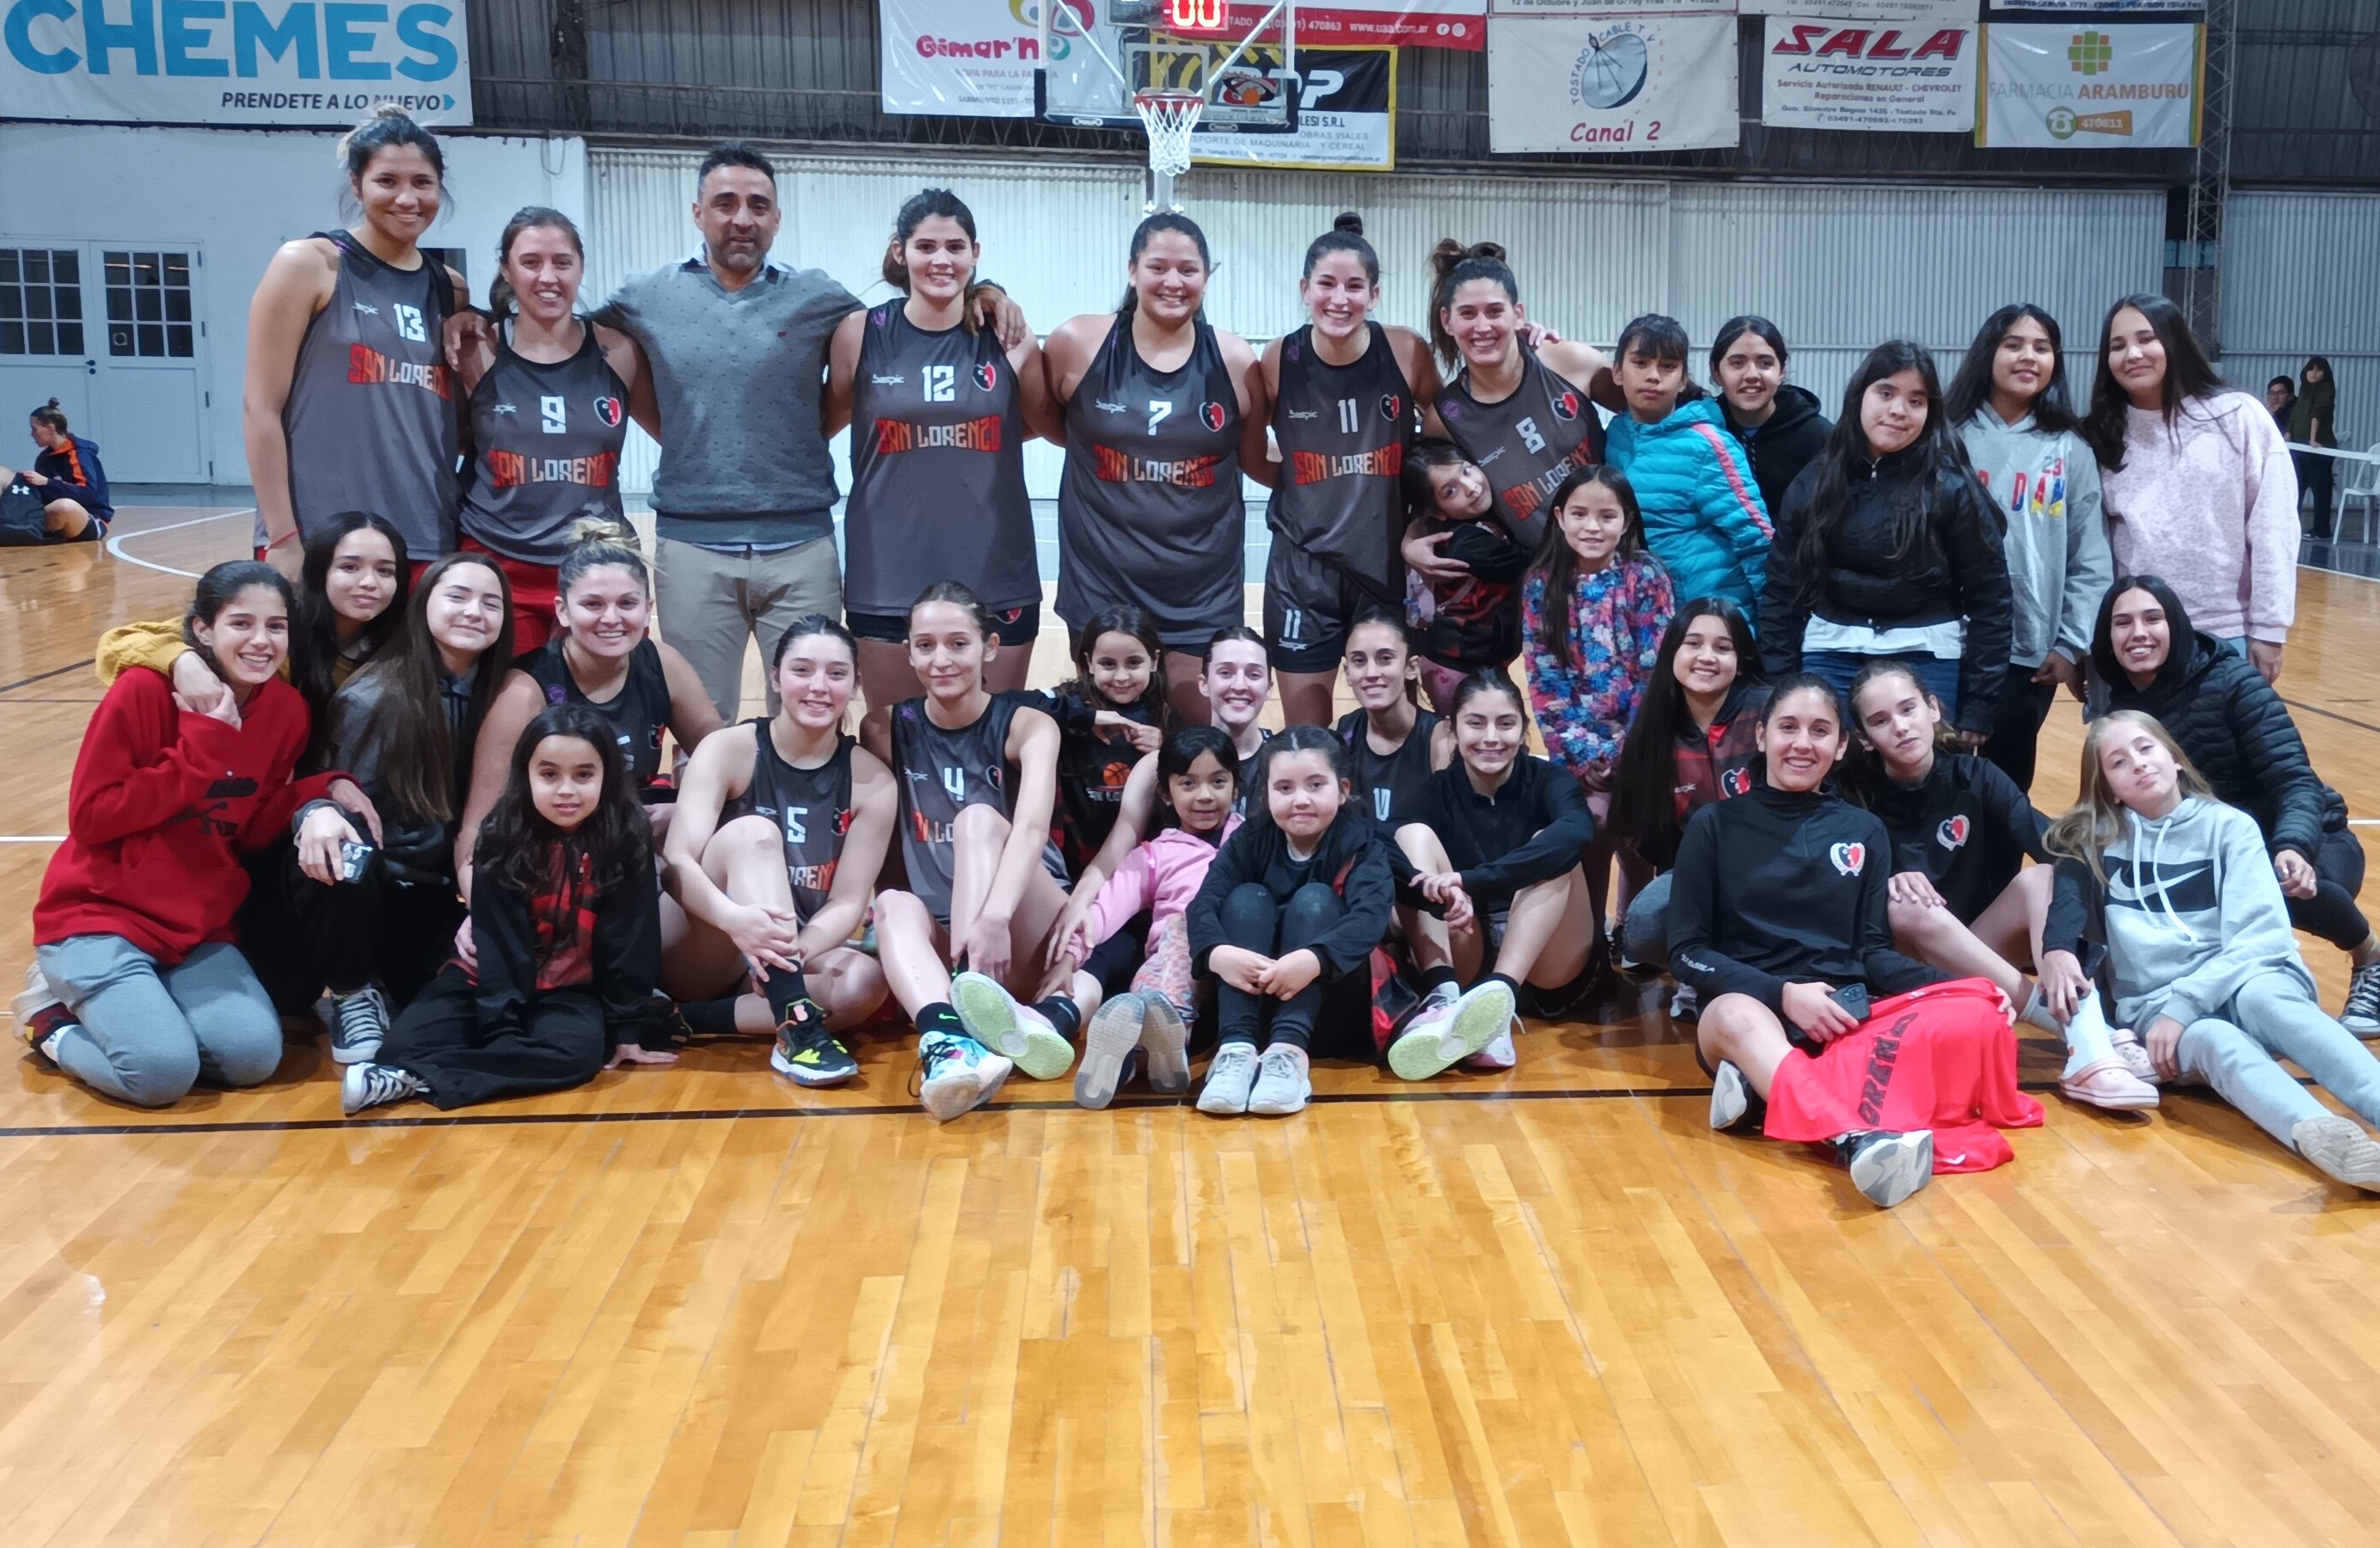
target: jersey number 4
<point>941,384</point>
<point>954,781</point>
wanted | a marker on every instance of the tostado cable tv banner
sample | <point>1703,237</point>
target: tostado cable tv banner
<point>234,62</point>
<point>1611,83</point>
<point>2088,86</point>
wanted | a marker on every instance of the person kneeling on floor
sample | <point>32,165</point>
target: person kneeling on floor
<point>565,930</point>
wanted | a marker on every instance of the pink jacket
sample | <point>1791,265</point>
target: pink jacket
<point>1161,875</point>
<point>2211,504</point>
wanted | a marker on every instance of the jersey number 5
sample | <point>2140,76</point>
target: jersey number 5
<point>941,384</point>
<point>797,827</point>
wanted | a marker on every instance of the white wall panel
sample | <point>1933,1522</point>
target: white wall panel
<point>2301,277</point>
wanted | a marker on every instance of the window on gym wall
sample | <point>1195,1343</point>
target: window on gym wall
<point>41,301</point>
<point>148,304</point>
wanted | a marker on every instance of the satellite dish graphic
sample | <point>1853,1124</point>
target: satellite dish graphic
<point>1611,71</point>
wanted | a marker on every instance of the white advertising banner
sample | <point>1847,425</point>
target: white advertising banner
<point>2088,86</point>
<point>965,58</point>
<point>2105,5</point>
<point>1869,75</point>
<point>1611,83</point>
<point>1948,12</point>
<point>291,62</point>
<point>1346,115</point>
<point>1603,8</point>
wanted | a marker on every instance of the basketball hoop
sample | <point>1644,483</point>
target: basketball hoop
<point>1168,116</point>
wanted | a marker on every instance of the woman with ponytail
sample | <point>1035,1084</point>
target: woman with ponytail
<point>550,395</point>
<point>1160,409</point>
<point>1343,390</point>
<point>323,435</point>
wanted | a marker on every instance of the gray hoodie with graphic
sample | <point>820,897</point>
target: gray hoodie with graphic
<point>2192,912</point>
<point>2046,488</point>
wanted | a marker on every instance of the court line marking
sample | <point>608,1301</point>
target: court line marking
<point>115,542</point>
<point>32,838</point>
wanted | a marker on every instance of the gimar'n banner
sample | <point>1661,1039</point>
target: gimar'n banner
<point>2089,85</point>
<point>291,62</point>
<point>1611,82</point>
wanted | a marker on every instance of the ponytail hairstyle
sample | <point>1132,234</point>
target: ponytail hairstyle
<point>1644,784</point>
<point>1346,234</point>
<point>596,542</point>
<point>1451,266</point>
<point>915,211</point>
<point>1664,338</point>
<point>1939,473</point>
<point>1557,562</point>
<point>804,628</point>
<point>1164,220</point>
<point>2097,820</point>
<point>1427,455</point>
<point>1378,614</point>
<point>1296,738</point>
<point>520,851</point>
<point>958,596</point>
<point>219,588</point>
<point>1972,388</point>
<point>314,649</point>
<point>1806,682</point>
<point>407,720</point>
<point>1242,632</point>
<point>2188,374</point>
<point>1864,764</point>
<point>1182,748</point>
<point>53,416</point>
<point>389,127</point>
<point>1487,679</point>
<point>1735,328</point>
<point>528,217</point>
<point>1120,618</point>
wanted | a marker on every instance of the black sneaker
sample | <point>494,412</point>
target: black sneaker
<point>2360,1015</point>
<point>807,1053</point>
<point>358,1024</point>
<point>371,1085</point>
<point>1887,1167</point>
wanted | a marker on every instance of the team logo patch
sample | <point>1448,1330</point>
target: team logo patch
<point>1847,858</point>
<point>1392,406</point>
<point>842,821</point>
<point>1952,834</point>
<point>1450,409</point>
<point>607,411</point>
<point>987,375</point>
<point>1735,782</point>
<point>1211,415</point>
<point>1566,406</point>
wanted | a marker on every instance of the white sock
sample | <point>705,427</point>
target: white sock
<point>2087,1038</point>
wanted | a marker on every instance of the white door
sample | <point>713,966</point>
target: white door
<point>43,343</point>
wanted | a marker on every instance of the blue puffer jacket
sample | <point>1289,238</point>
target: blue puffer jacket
<point>1703,517</point>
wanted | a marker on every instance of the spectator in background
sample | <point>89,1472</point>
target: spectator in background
<point>2280,396</point>
<point>2313,421</point>
<point>67,475</point>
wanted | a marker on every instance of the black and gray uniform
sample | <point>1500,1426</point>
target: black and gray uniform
<point>545,455</point>
<point>1150,510</point>
<point>1389,782</point>
<point>1343,433</point>
<point>371,415</point>
<point>639,714</point>
<point>1250,768</point>
<point>811,809</point>
<point>937,476</point>
<point>943,773</point>
<point>1526,444</point>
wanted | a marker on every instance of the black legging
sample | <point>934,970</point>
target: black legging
<point>2314,476</point>
<point>2016,725</point>
<point>375,929</point>
<point>2331,912</point>
<point>1253,921</point>
<point>560,1044</point>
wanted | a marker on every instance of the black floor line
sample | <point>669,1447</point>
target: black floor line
<point>82,666</point>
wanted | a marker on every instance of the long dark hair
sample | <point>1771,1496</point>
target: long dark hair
<point>314,626</point>
<point>1936,459</point>
<point>1427,455</point>
<point>519,850</point>
<point>528,217</point>
<point>2181,635</point>
<point>2188,374</point>
<point>1664,338</point>
<point>1297,739</point>
<point>1451,266</point>
<point>1164,220</point>
<point>408,722</point>
<point>1122,617</point>
<point>1557,562</point>
<point>915,211</point>
<point>1972,388</point>
<point>1182,747</point>
<point>1643,784</point>
<point>218,588</point>
<point>1735,328</point>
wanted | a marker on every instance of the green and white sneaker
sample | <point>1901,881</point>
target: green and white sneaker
<point>959,1074</point>
<point>993,1018</point>
<point>1443,1036</point>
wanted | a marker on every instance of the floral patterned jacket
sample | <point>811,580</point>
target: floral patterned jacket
<point>1614,620</point>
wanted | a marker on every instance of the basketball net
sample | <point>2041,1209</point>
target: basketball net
<point>1168,116</point>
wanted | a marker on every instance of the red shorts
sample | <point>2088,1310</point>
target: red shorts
<point>534,588</point>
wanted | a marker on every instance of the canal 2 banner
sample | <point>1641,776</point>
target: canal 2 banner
<point>279,62</point>
<point>1611,83</point>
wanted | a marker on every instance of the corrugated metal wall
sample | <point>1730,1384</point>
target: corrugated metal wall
<point>2301,277</point>
<point>1838,268</point>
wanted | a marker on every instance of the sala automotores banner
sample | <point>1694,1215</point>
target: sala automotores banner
<point>312,62</point>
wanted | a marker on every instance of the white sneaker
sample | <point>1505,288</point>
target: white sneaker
<point>1001,1022</point>
<point>371,1085</point>
<point>1500,1054</point>
<point>1230,1075</point>
<point>1887,1167</point>
<point>1113,1033</point>
<point>359,1024</point>
<point>1165,1038</point>
<point>1730,1096</point>
<point>1441,1037</point>
<point>1282,1085</point>
<point>2340,1148</point>
<point>1685,1005</point>
<point>958,1074</point>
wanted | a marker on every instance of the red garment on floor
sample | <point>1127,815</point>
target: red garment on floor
<point>1942,1057</point>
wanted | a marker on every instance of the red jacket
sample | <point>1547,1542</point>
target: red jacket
<point>164,802</point>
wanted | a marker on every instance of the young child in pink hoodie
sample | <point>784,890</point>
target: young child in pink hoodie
<point>1197,772</point>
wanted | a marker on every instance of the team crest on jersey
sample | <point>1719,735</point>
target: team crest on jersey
<point>1566,406</point>
<point>607,411</point>
<point>1392,406</point>
<point>1211,415</point>
<point>1847,858</point>
<point>1952,834</point>
<point>987,375</point>
<point>1736,782</point>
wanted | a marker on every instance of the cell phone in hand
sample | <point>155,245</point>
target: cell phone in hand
<point>353,855</point>
<point>1852,997</point>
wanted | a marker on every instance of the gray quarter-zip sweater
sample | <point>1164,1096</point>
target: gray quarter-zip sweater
<point>2046,488</point>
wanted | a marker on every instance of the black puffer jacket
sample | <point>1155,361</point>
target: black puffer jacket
<point>1863,583</point>
<point>1779,450</point>
<point>2236,729</point>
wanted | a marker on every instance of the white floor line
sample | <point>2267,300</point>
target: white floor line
<point>32,838</point>
<point>116,543</point>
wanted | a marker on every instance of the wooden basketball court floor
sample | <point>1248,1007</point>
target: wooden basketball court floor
<point>701,1307</point>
